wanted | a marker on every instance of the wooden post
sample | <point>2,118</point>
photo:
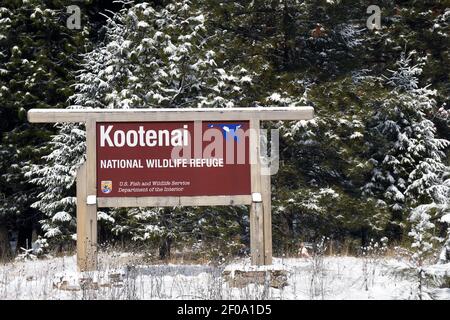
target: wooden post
<point>257,207</point>
<point>82,237</point>
<point>91,183</point>
<point>86,243</point>
<point>260,212</point>
<point>257,233</point>
<point>87,212</point>
<point>267,224</point>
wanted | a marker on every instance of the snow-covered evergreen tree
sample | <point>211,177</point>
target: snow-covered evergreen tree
<point>439,211</point>
<point>301,54</point>
<point>423,242</point>
<point>409,158</point>
<point>150,58</point>
<point>158,58</point>
<point>57,178</point>
<point>38,57</point>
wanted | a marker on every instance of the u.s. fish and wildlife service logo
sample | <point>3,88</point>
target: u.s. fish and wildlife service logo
<point>106,186</point>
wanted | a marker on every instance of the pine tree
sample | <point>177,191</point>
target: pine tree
<point>57,200</point>
<point>37,58</point>
<point>150,58</point>
<point>409,158</point>
<point>423,242</point>
<point>295,52</point>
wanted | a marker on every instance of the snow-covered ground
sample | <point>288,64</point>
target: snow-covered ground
<point>125,276</point>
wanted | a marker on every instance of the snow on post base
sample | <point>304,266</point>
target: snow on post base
<point>87,281</point>
<point>241,275</point>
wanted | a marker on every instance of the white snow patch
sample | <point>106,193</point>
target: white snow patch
<point>323,278</point>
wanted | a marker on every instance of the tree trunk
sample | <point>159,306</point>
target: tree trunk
<point>24,236</point>
<point>164,247</point>
<point>34,236</point>
<point>364,237</point>
<point>5,247</point>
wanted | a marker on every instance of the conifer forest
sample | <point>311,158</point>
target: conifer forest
<point>369,173</point>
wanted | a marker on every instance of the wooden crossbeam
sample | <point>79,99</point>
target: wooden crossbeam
<point>187,114</point>
<point>129,202</point>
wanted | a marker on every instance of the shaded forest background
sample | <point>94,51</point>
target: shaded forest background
<point>373,164</point>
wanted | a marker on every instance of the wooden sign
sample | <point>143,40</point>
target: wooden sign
<point>130,162</point>
<point>166,159</point>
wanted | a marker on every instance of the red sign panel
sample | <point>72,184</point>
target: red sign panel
<point>142,159</point>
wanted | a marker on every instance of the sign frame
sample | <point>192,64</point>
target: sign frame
<point>87,201</point>
<point>232,178</point>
